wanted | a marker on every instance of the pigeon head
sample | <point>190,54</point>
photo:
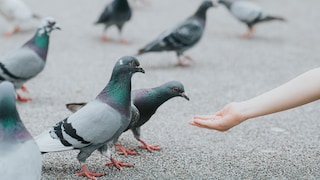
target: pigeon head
<point>205,5</point>
<point>226,3</point>
<point>48,24</point>
<point>176,88</point>
<point>7,100</point>
<point>128,64</point>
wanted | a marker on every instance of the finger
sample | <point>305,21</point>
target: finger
<point>203,117</point>
<point>204,123</point>
<point>191,122</point>
<point>195,124</point>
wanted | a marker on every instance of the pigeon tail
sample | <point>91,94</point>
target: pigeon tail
<point>141,51</point>
<point>36,16</point>
<point>270,18</point>
<point>154,46</point>
<point>47,144</point>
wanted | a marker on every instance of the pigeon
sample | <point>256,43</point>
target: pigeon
<point>181,37</point>
<point>20,157</point>
<point>16,11</point>
<point>248,13</point>
<point>117,13</point>
<point>98,122</point>
<point>145,103</point>
<point>24,63</point>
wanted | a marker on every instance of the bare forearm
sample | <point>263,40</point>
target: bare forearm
<point>300,90</point>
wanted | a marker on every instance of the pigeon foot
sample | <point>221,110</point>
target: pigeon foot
<point>15,30</point>
<point>104,38</point>
<point>149,147</point>
<point>125,151</point>
<point>248,34</point>
<point>189,58</point>
<point>124,41</point>
<point>22,99</point>
<point>182,64</point>
<point>117,164</point>
<point>88,174</point>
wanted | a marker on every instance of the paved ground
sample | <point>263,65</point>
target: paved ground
<point>227,68</point>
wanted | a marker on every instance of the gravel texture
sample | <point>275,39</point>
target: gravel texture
<point>226,68</point>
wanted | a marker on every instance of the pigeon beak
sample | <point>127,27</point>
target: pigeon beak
<point>185,96</point>
<point>57,27</point>
<point>140,69</point>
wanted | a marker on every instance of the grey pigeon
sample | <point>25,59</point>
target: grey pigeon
<point>20,156</point>
<point>22,64</point>
<point>181,37</point>
<point>248,13</point>
<point>16,12</point>
<point>97,123</point>
<point>145,103</point>
<point>117,13</point>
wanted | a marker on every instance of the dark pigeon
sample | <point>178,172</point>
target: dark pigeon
<point>98,122</point>
<point>117,13</point>
<point>145,103</point>
<point>20,156</point>
<point>181,37</point>
<point>248,13</point>
<point>24,63</point>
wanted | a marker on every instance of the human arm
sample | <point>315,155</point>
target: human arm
<point>299,91</point>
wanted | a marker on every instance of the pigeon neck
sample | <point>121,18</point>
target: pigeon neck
<point>11,123</point>
<point>161,95</point>
<point>122,4</point>
<point>156,97</point>
<point>118,93</point>
<point>40,43</point>
<point>201,13</point>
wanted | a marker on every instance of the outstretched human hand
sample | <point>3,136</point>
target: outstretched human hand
<point>222,120</point>
<point>297,92</point>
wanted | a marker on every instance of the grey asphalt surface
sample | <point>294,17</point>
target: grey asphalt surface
<point>226,68</point>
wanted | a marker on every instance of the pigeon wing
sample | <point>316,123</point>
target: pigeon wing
<point>21,64</point>
<point>180,37</point>
<point>95,123</point>
<point>245,11</point>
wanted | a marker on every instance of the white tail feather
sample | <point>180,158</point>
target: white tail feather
<point>47,144</point>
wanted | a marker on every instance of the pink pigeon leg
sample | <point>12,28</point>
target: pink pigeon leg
<point>88,174</point>
<point>117,164</point>
<point>24,88</point>
<point>15,30</point>
<point>22,99</point>
<point>125,151</point>
<point>148,147</point>
<point>248,34</point>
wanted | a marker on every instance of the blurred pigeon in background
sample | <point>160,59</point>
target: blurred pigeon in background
<point>24,63</point>
<point>16,12</point>
<point>20,157</point>
<point>181,37</point>
<point>98,122</point>
<point>248,13</point>
<point>145,104</point>
<point>117,13</point>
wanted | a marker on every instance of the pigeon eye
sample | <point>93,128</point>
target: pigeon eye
<point>132,63</point>
<point>175,89</point>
